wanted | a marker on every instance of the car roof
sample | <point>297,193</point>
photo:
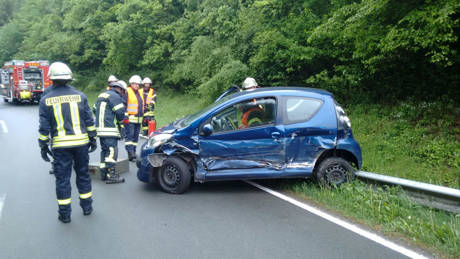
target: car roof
<point>282,90</point>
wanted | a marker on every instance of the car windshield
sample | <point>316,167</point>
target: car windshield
<point>184,122</point>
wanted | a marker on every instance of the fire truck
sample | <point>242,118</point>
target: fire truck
<point>24,81</point>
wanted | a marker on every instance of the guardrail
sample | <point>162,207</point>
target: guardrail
<point>435,196</point>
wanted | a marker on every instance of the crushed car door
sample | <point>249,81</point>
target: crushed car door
<point>244,136</point>
<point>310,128</point>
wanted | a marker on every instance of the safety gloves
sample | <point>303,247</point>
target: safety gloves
<point>92,145</point>
<point>44,150</point>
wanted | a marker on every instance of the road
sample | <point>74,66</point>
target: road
<point>136,220</point>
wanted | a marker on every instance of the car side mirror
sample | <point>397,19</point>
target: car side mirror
<point>207,129</point>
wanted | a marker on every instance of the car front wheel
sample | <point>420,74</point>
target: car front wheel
<point>334,171</point>
<point>174,176</point>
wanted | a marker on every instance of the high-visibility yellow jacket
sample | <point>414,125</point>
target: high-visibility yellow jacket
<point>135,106</point>
<point>150,101</point>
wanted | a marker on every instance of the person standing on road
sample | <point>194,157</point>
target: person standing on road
<point>150,98</point>
<point>110,114</point>
<point>135,109</point>
<point>65,116</point>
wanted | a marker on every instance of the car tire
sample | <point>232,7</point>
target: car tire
<point>334,171</point>
<point>174,176</point>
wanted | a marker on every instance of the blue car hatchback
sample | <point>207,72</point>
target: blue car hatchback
<point>272,132</point>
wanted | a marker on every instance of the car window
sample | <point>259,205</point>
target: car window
<point>246,114</point>
<point>299,109</point>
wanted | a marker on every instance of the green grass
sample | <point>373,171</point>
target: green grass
<point>417,142</point>
<point>172,106</point>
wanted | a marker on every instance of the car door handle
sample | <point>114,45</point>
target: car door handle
<point>276,135</point>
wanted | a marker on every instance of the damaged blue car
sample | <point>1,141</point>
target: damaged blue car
<point>271,132</point>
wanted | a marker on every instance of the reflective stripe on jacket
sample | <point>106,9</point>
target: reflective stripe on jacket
<point>110,112</point>
<point>65,115</point>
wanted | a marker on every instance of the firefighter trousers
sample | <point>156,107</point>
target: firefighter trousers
<point>109,154</point>
<point>63,159</point>
<point>132,136</point>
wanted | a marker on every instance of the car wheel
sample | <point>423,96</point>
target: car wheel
<point>174,176</point>
<point>334,171</point>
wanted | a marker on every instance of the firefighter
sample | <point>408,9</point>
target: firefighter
<point>111,79</point>
<point>66,117</point>
<point>135,110</point>
<point>249,84</point>
<point>150,98</point>
<point>110,114</point>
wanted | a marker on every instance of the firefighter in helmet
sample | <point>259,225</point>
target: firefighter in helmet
<point>150,98</point>
<point>135,110</point>
<point>110,114</point>
<point>111,79</point>
<point>66,119</point>
<point>249,84</point>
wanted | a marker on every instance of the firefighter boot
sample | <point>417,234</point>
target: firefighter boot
<point>114,177</point>
<point>131,156</point>
<point>64,213</point>
<point>104,173</point>
<point>88,211</point>
<point>64,218</point>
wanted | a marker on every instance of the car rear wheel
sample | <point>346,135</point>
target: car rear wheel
<point>174,176</point>
<point>334,171</point>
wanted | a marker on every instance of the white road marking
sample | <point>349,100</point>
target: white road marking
<point>342,223</point>
<point>5,129</point>
<point>2,200</point>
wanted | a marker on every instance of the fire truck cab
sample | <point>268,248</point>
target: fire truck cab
<point>24,81</point>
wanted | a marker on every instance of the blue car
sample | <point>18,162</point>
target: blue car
<point>271,132</point>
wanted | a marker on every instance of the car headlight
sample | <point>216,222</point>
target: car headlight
<point>158,140</point>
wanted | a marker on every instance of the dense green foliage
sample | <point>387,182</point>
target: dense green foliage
<point>358,49</point>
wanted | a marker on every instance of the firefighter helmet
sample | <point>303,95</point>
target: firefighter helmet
<point>112,78</point>
<point>147,81</point>
<point>124,86</point>
<point>249,82</point>
<point>59,71</point>
<point>135,80</point>
<point>115,84</point>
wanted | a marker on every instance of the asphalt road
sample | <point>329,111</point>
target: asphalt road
<point>136,220</point>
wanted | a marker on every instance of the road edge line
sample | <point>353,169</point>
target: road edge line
<point>2,201</point>
<point>5,129</point>
<point>354,228</point>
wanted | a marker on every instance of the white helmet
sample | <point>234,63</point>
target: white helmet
<point>120,84</point>
<point>112,78</point>
<point>124,86</point>
<point>146,81</point>
<point>249,82</point>
<point>135,79</point>
<point>59,71</point>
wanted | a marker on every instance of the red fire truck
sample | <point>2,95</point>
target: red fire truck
<point>24,81</point>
